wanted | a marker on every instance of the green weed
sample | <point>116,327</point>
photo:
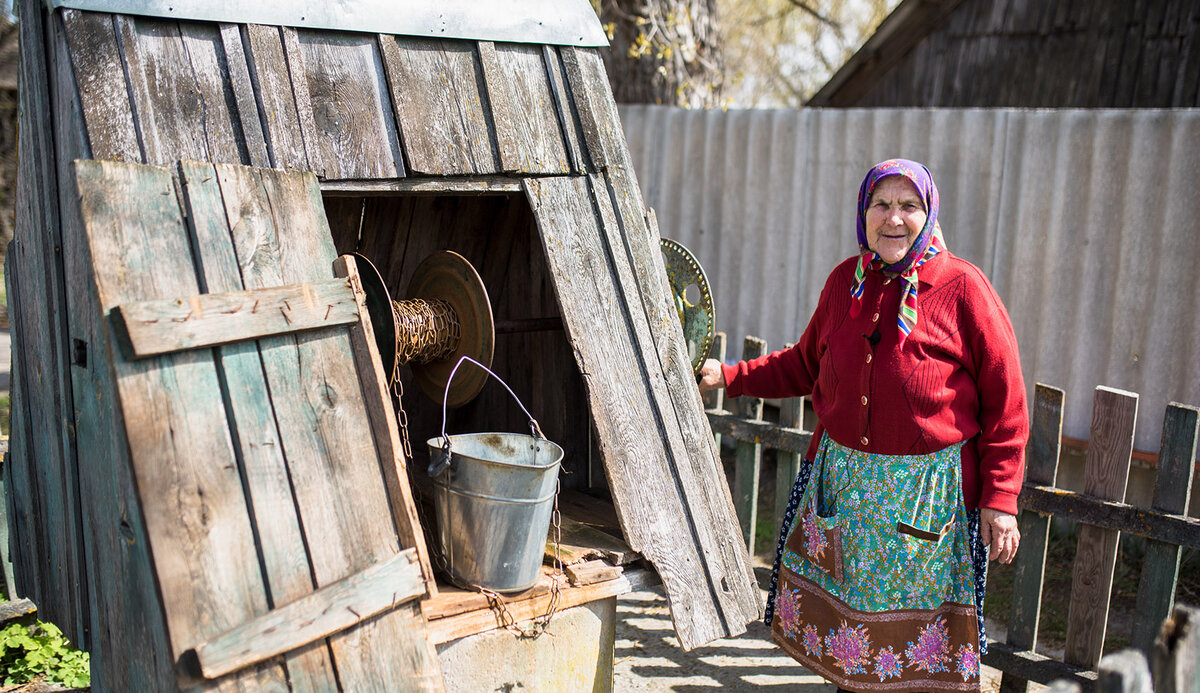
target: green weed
<point>40,652</point>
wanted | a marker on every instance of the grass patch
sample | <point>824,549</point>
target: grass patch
<point>5,413</point>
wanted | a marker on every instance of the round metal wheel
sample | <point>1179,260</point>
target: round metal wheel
<point>693,300</point>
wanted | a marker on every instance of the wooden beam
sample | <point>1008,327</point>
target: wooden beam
<point>331,609</point>
<point>1111,515</point>
<point>1033,666</point>
<point>464,185</point>
<point>150,328</point>
<point>771,435</point>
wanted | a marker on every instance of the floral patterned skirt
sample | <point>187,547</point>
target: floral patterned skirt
<point>877,586</point>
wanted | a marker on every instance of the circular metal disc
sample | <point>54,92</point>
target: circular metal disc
<point>449,277</point>
<point>379,310</point>
<point>698,319</point>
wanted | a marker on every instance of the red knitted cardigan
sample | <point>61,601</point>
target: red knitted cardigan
<point>956,378</point>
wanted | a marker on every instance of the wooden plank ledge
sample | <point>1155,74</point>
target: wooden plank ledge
<point>151,328</point>
<point>329,610</point>
<point>765,432</point>
<point>457,613</point>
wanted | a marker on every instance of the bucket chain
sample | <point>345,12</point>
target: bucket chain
<point>540,624</point>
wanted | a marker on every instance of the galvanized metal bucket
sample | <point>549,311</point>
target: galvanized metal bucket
<point>493,494</point>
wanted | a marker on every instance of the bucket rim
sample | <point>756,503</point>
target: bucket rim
<point>435,443</point>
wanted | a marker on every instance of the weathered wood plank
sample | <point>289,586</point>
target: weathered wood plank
<point>787,464</point>
<point>273,87</point>
<point>249,123</point>
<point>209,72</point>
<point>187,473</point>
<point>1114,414</point>
<point>1114,515</point>
<point>16,461</point>
<point>1177,652</point>
<point>591,572</point>
<point>696,459</point>
<point>212,319</point>
<point>1041,467</point>
<point>748,455</point>
<point>167,105</point>
<point>592,93</point>
<point>566,111</point>
<point>329,610</point>
<point>265,473</point>
<point>125,628</point>
<point>393,462</point>
<point>47,477</point>
<point>441,105</point>
<point>323,423</point>
<point>580,542</point>
<point>98,70</point>
<point>769,434</point>
<point>1032,666</point>
<point>528,136</point>
<point>349,130</point>
<point>631,436</point>
<point>1172,491</point>
<point>483,185</point>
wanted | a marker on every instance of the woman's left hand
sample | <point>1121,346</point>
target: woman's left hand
<point>999,533</point>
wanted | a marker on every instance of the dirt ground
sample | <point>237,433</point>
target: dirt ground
<point>648,657</point>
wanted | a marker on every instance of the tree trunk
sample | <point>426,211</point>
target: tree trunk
<point>664,52</point>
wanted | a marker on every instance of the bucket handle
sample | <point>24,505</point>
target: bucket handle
<point>437,466</point>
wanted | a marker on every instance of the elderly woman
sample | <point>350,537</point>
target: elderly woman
<point>913,473</point>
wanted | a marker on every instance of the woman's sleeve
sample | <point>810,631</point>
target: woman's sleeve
<point>786,373</point>
<point>1003,411</point>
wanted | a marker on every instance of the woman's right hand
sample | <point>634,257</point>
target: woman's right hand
<point>711,376</point>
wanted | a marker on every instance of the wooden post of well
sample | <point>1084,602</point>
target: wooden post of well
<point>1106,472</point>
<point>748,455</point>
<point>1172,490</point>
<point>1041,467</point>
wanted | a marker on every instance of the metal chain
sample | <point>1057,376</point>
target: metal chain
<point>540,624</point>
<point>427,330</point>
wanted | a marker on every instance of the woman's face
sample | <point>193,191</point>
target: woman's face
<point>894,218</point>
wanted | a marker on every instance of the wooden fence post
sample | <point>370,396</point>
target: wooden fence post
<point>1124,672</point>
<point>1172,490</point>
<point>1041,467</point>
<point>715,399</point>
<point>1177,653</point>
<point>748,455</point>
<point>787,464</point>
<point>1114,413</point>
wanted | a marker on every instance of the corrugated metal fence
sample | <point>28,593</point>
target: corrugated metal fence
<point>1086,221</point>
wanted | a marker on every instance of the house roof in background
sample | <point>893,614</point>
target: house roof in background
<point>556,22</point>
<point>911,21</point>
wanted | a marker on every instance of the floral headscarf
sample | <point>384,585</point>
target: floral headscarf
<point>929,241</point>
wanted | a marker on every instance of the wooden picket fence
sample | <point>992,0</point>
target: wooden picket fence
<point>1099,509</point>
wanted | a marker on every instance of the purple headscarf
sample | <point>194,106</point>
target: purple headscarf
<point>920,177</point>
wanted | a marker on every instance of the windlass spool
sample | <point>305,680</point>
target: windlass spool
<point>447,316</point>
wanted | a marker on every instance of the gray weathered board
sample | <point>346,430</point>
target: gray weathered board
<point>263,477</point>
<point>659,454</point>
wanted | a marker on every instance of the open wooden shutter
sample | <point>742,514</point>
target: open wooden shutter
<point>283,533</point>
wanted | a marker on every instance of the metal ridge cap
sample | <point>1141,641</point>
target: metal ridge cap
<point>554,22</point>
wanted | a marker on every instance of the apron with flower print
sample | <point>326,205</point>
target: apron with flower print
<point>876,586</point>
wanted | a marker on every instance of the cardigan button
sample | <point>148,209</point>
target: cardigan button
<point>864,400</point>
<point>864,440</point>
<point>875,317</point>
<point>869,357</point>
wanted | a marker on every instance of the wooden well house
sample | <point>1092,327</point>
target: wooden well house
<point>207,481</point>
